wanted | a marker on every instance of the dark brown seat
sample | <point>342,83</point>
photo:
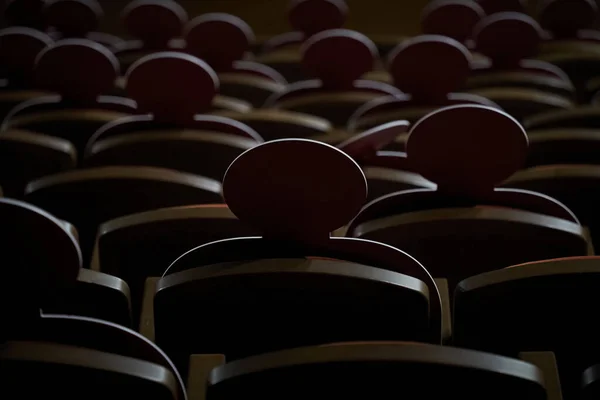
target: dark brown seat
<point>194,151</point>
<point>573,45</point>
<point>579,117</point>
<point>274,300</point>
<point>295,266</point>
<point>155,25</point>
<point>25,13</point>
<point>38,251</point>
<point>231,39</point>
<point>100,340</point>
<point>37,369</point>
<point>372,370</point>
<point>172,135</point>
<point>42,266</point>
<point>563,146</point>
<point>440,17</point>
<point>455,228</point>
<point>509,40</point>
<point>77,19</point>
<point>96,295</point>
<point>575,185</point>
<point>19,47</point>
<point>337,59</point>
<point>414,66</point>
<point>540,306</point>
<point>307,18</point>
<point>492,6</point>
<point>90,197</point>
<point>81,71</point>
<point>273,124</point>
<point>147,124</point>
<point>386,171</point>
<point>25,156</point>
<point>138,246</point>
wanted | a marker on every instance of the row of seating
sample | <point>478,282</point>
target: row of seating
<point>164,239</point>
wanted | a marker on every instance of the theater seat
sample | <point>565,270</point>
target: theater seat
<point>90,197</point>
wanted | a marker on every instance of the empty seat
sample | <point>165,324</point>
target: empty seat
<point>455,228</point>
<point>337,58</point>
<point>440,17</point>
<point>585,116</point>
<point>521,86</point>
<point>25,13</point>
<point>275,301</point>
<point>414,66</point>
<point>155,25</point>
<point>386,171</point>
<point>295,266</point>
<point>170,65</point>
<point>173,135</point>
<point>540,306</point>
<point>563,146</point>
<point>223,40</point>
<point>81,71</point>
<point>82,357</point>
<point>195,151</point>
<point>89,197</point>
<point>19,47</point>
<point>138,246</point>
<point>42,269</point>
<point>573,45</point>
<point>69,372</point>
<point>273,124</point>
<point>492,6</point>
<point>25,156</point>
<point>509,41</point>
<point>575,185</point>
<point>307,18</point>
<point>377,371</point>
<point>77,19</point>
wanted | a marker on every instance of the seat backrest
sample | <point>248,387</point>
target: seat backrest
<point>154,239</point>
<point>231,37</point>
<point>70,373</point>
<point>413,65</point>
<point>90,197</point>
<point>40,256</point>
<point>313,189</point>
<point>80,71</point>
<point>226,53</point>
<point>359,370</point>
<point>545,305</point>
<point>276,298</point>
<point>26,13</point>
<point>440,17</point>
<point>492,7</point>
<point>337,58</point>
<point>73,18</point>
<point>25,156</point>
<point>566,18</point>
<point>309,17</point>
<point>95,335</point>
<point>466,166</point>
<point>548,305</point>
<point>190,88</point>
<point>78,18</point>
<point>142,18</point>
<point>19,48</point>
